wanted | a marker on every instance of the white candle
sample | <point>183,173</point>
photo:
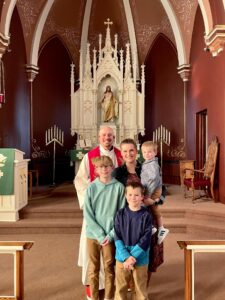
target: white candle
<point>169,139</point>
<point>62,137</point>
<point>153,136</point>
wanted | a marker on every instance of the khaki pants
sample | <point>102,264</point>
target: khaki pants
<point>108,254</point>
<point>124,277</point>
<point>155,210</point>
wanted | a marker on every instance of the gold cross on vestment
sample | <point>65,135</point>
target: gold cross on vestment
<point>108,22</point>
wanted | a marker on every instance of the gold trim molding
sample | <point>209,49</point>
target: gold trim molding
<point>215,40</point>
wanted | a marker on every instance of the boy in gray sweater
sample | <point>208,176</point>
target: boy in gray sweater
<point>152,181</point>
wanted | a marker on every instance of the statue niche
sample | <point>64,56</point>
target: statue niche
<point>107,94</point>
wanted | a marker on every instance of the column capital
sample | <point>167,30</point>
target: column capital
<point>4,43</point>
<point>32,71</point>
<point>215,40</point>
<point>184,71</point>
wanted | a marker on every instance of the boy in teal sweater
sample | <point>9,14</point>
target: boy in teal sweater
<point>104,197</point>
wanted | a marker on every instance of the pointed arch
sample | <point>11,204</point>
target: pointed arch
<point>132,36</point>
<point>85,26</point>
<point>207,15</point>
<point>160,35</point>
<point>181,51</point>
<point>6,15</point>
<point>55,36</point>
<point>33,59</point>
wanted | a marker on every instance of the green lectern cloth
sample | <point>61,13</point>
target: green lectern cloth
<point>7,157</point>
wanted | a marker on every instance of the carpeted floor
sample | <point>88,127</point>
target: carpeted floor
<point>51,271</point>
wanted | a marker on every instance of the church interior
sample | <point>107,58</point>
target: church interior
<point>164,61</point>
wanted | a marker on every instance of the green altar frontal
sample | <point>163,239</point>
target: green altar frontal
<point>7,157</point>
<point>77,155</point>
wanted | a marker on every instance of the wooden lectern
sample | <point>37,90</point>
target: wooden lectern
<point>16,248</point>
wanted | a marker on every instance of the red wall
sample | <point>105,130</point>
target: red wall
<point>207,91</point>
<point>51,105</point>
<point>164,101</point>
<point>164,91</point>
<point>15,113</point>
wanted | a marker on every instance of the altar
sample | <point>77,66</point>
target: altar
<point>107,94</point>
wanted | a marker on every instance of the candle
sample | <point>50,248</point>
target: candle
<point>62,137</point>
<point>169,139</point>
<point>153,136</point>
<point>51,133</point>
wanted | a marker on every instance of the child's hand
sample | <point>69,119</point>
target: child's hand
<point>129,263</point>
<point>157,200</point>
<point>105,242</point>
<point>149,201</point>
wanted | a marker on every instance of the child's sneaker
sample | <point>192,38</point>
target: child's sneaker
<point>154,229</point>
<point>162,234</point>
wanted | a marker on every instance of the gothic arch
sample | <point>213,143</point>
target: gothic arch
<point>7,11</point>
<point>181,51</point>
<point>55,36</point>
<point>206,14</point>
<point>160,35</point>
<point>33,58</point>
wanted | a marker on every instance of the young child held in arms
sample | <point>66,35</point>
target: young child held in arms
<point>152,181</point>
<point>133,228</point>
<point>104,197</point>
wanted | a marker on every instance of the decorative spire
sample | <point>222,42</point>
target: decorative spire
<point>127,64</point>
<point>88,62</point>
<point>108,37</point>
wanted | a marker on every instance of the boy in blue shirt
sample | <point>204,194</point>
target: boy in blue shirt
<point>104,197</point>
<point>133,229</point>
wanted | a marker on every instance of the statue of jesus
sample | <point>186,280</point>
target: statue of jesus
<point>109,105</point>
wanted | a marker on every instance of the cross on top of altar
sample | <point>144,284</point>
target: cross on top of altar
<point>108,95</point>
<point>108,22</point>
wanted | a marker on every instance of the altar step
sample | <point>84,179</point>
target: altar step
<point>55,221</point>
<point>59,212</point>
<point>42,226</point>
<point>211,224</point>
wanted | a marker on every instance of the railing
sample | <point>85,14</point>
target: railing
<point>190,248</point>
<point>17,250</point>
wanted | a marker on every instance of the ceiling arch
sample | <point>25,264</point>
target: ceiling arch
<point>207,15</point>
<point>181,51</point>
<point>33,59</point>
